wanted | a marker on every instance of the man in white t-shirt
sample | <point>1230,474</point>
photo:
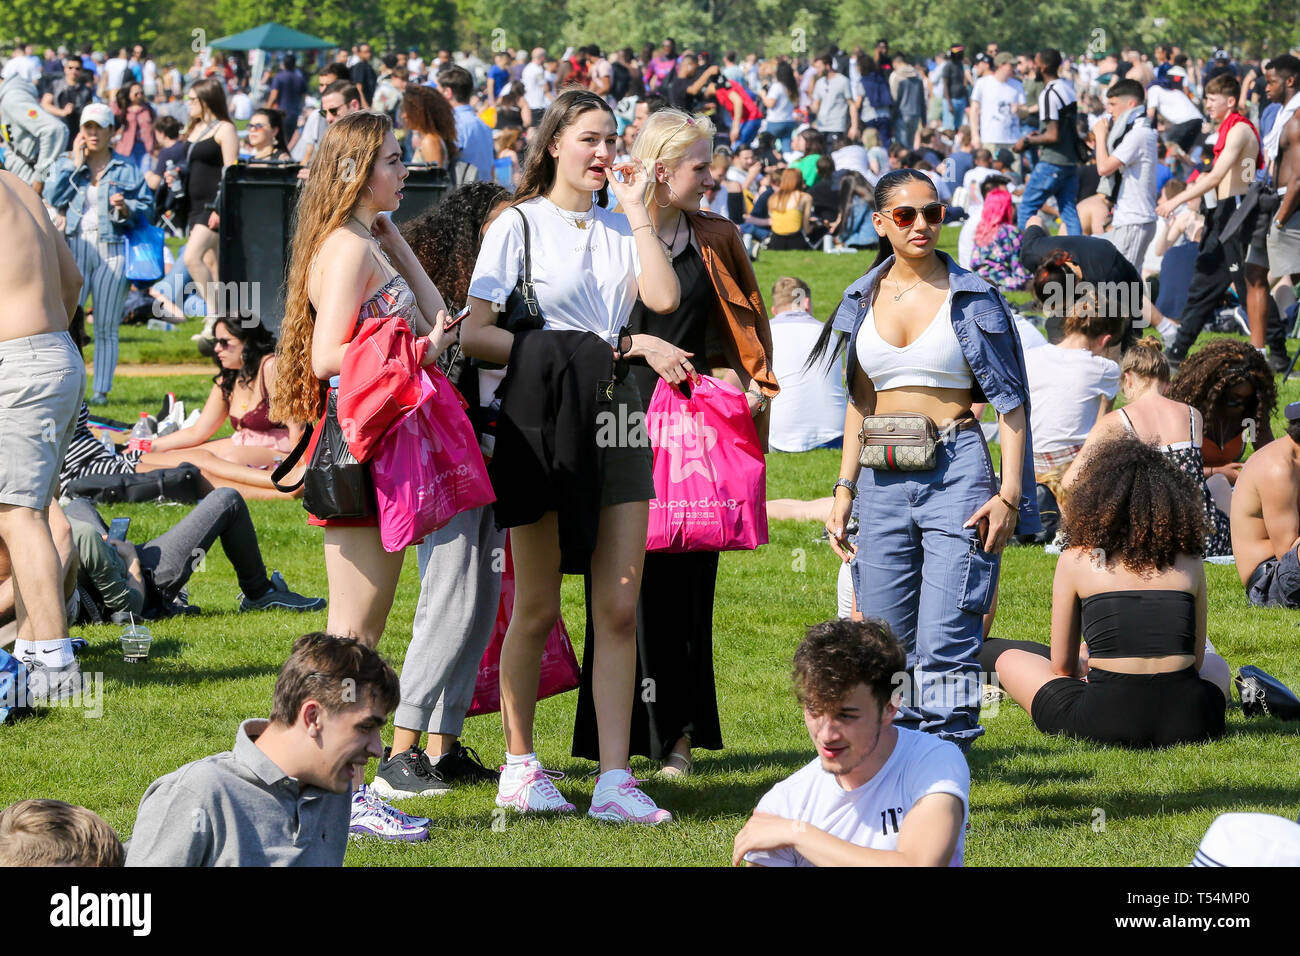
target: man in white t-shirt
<point>1169,101</point>
<point>114,72</point>
<point>1072,384</point>
<point>876,795</point>
<point>809,411</point>
<point>536,89</point>
<point>994,123</point>
<point>1134,158</point>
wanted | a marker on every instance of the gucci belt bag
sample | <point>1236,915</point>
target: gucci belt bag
<point>902,442</point>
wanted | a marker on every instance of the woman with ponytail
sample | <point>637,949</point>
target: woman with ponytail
<point>926,339</point>
<point>1175,428</point>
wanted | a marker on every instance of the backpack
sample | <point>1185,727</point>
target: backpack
<point>621,80</point>
<point>179,484</point>
<point>1068,143</point>
<point>13,684</point>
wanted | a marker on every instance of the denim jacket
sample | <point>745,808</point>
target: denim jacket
<point>985,328</point>
<point>65,189</point>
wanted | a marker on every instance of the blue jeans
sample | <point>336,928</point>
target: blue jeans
<point>954,117</point>
<point>758,232</point>
<point>781,132</point>
<point>1058,182</point>
<point>930,580</point>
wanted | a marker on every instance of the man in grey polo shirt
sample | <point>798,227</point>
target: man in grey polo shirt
<point>282,797</point>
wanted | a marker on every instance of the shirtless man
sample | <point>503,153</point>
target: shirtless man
<point>42,381</point>
<point>1223,262</point>
<point>1266,519</point>
<point>1282,81</point>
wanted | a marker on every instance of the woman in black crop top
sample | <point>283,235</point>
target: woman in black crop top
<point>1131,586</point>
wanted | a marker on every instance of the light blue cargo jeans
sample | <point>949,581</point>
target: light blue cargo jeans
<point>930,580</point>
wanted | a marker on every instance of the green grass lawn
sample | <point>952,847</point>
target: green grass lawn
<point>1035,800</point>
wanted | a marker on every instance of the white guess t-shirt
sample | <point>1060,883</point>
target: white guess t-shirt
<point>585,278</point>
<point>871,815</point>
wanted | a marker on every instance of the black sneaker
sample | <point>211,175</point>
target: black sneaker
<point>463,765</point>
<point>1279,362</point>
<point>409,774</point>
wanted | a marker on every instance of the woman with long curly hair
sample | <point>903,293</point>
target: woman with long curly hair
<point>589,266</point>
<point>348,264</point>
<point>1131,586</point>
<point>1230,383</point>
<point>429,114</point>
<point>460,575</point>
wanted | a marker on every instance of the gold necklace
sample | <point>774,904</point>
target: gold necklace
<point>575,219</point>
<point>911,287</point>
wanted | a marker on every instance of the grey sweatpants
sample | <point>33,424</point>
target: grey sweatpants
<point>460,585</point>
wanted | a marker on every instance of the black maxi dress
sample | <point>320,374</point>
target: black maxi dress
<point>674,691</point>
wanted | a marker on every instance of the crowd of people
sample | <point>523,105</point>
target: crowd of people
<point>598,241</point>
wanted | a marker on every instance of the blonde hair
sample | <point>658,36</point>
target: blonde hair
<point>340,169</point>
<point>666,137</point>
<point>54,833</point>
<point>1146,359</point>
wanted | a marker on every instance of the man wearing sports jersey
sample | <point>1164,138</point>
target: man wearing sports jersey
<point>877,795</point>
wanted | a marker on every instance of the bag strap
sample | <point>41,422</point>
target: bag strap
<point>526,289</point>
<point>287,465</point>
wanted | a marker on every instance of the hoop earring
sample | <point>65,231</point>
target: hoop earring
<point>671,198</point>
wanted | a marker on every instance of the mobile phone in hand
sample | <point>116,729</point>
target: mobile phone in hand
<point>118,528</point>
<point>453,322</point>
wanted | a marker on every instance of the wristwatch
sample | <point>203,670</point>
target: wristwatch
<point>849,484</point>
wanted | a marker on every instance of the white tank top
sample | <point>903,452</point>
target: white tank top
<point>934,360</point>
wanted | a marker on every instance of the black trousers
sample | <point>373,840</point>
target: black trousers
<point>1222,263</point>
<point>674,693</point>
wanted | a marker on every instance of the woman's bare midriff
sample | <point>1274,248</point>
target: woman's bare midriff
<point>941,405</point>
<point>1168,664</point>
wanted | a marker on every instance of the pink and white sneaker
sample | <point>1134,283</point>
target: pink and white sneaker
<point>619,799</point>
<point>530,789</point>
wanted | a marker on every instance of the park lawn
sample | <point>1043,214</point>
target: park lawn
<point>1036,801</point>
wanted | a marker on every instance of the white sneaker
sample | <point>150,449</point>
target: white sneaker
<point>531,789</point>
<point>619,799</point>
<point>372,817</point>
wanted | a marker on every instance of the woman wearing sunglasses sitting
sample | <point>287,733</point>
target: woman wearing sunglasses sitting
<point>266,143</point>
<point>925,340</point>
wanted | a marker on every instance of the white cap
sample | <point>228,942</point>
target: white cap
<point>1250,839</point>
<point>98,114</point>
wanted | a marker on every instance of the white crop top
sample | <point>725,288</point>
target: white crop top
<point>935,360</point>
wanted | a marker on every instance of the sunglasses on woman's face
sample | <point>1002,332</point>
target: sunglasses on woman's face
<point>258,126</point>
<point>224,343</point>
<point>904,216</point>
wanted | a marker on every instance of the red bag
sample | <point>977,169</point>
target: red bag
<point>560,671</point>
<point>428,467</point>
<point>379,382</point>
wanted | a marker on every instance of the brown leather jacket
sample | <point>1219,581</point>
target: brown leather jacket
<point>741,332</point>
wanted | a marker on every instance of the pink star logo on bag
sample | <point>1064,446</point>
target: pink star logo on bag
<point>688,441</point>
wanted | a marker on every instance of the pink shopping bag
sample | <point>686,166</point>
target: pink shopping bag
<point>560,672</point>
<point>428,467</point>
<point>709,472</point>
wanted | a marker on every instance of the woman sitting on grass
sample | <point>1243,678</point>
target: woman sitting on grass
<point>241,390</point>
<point>1131,585</point>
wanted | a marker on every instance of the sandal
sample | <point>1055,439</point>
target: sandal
<point>677,765</point>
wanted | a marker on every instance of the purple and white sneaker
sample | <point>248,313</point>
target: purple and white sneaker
<point>618,798</point>
<point>372,817</point>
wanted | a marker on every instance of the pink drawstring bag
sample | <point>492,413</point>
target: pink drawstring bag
<point>709,472</point>
<point>560,672</point>
<point>428,468</point>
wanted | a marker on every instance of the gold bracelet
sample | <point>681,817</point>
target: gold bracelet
<point>1014,508</point>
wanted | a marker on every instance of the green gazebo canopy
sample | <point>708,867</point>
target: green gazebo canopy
<point>271,36</point>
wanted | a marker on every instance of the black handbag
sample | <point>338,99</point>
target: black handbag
<point>1264,695</point>
<point>334,484</point>
<point>522,312</point>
